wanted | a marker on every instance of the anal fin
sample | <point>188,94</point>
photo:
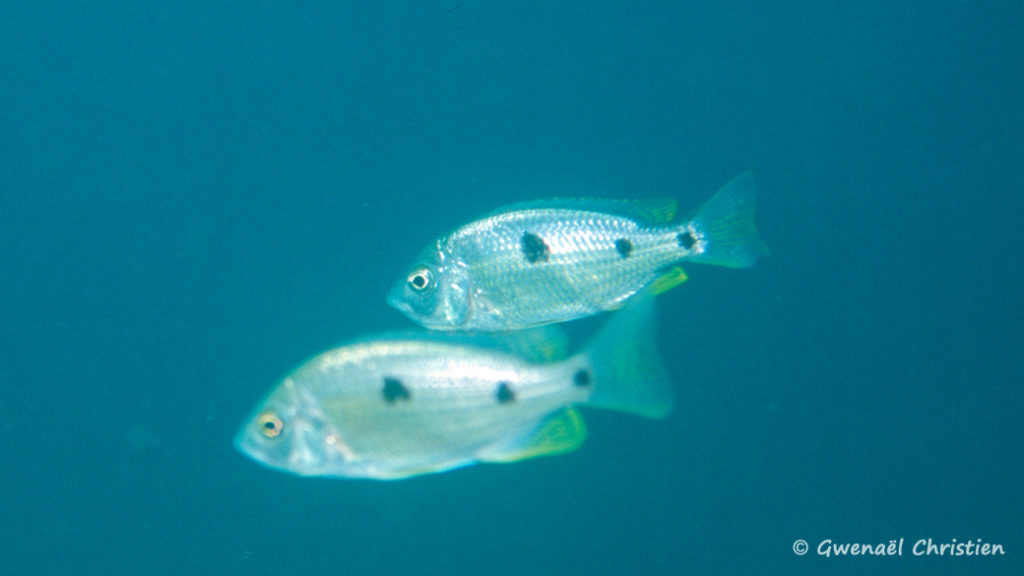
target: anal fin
<point>558,433</point>
<point>668,280</point>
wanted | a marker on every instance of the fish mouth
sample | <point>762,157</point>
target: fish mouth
<point>394,299</point>
<point>241,439</point>
<point>246,443</point>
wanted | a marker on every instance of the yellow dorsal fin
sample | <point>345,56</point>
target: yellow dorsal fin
<point>660,211</point>
<point>559,433</point>
<point>670,279</point>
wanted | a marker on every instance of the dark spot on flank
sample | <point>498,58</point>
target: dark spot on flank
<point>505,395</point>
<point>582,378</point>
<point>394,391</point>
<point>534,248</point>
<point>686,239</point>
<point>624,247</point>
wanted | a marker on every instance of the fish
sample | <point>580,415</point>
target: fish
<point>548,261</point>
<point>402,405</point>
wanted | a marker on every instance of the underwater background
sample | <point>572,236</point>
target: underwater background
<point>197,196</point>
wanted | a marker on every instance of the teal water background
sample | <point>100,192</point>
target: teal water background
<point>197,196</point>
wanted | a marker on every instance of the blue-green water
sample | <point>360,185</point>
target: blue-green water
<point>195,197</point>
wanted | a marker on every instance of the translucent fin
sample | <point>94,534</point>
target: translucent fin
<point>558,433</point>
<point>541,345</point>
<point>727,223</point>
<point>402,473</point>
<point>670,279</point>
<point>627,374</point>
<point>657,211</point>
<point>646,212</point>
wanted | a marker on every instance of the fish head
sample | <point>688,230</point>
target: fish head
<point>288,432</point>
<point>435,291</point>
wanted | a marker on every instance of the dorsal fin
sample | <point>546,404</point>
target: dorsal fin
<point>649,212</point>
<point>540,344</point>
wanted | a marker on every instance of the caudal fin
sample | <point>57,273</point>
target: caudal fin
<point>726,223</point>
<point>626,373</point>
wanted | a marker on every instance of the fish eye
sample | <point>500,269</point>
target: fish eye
<point>270,424</point>
<point>421,279</point>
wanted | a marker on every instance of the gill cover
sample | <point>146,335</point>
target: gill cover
<point>435,290</point>
<point>287,432</point>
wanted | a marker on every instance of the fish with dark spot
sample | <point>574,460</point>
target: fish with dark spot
<point>394,390</point>
<point>505,393</point>
<point>557,260</point>
<point>453,399</point>
<point>686,240</point>
<point>581,379</point>
<point>534,248</point>
<point>624,247</point>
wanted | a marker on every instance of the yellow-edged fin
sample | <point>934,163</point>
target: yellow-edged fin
<point>647,211</point>
<point>661,211</point>
<point>561,432</point>
<point>669,280</point>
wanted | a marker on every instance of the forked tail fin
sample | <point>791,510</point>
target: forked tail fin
<point>726,223</point>
<point>626,373</point>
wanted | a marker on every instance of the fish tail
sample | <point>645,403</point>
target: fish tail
<point>624,369</point>
<point>723,229</point>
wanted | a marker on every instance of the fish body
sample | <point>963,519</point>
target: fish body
<point>552,261</point>
<point>398,406</point>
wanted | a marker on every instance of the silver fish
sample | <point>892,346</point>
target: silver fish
<point>400,406</point>
<point>556,260</point>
